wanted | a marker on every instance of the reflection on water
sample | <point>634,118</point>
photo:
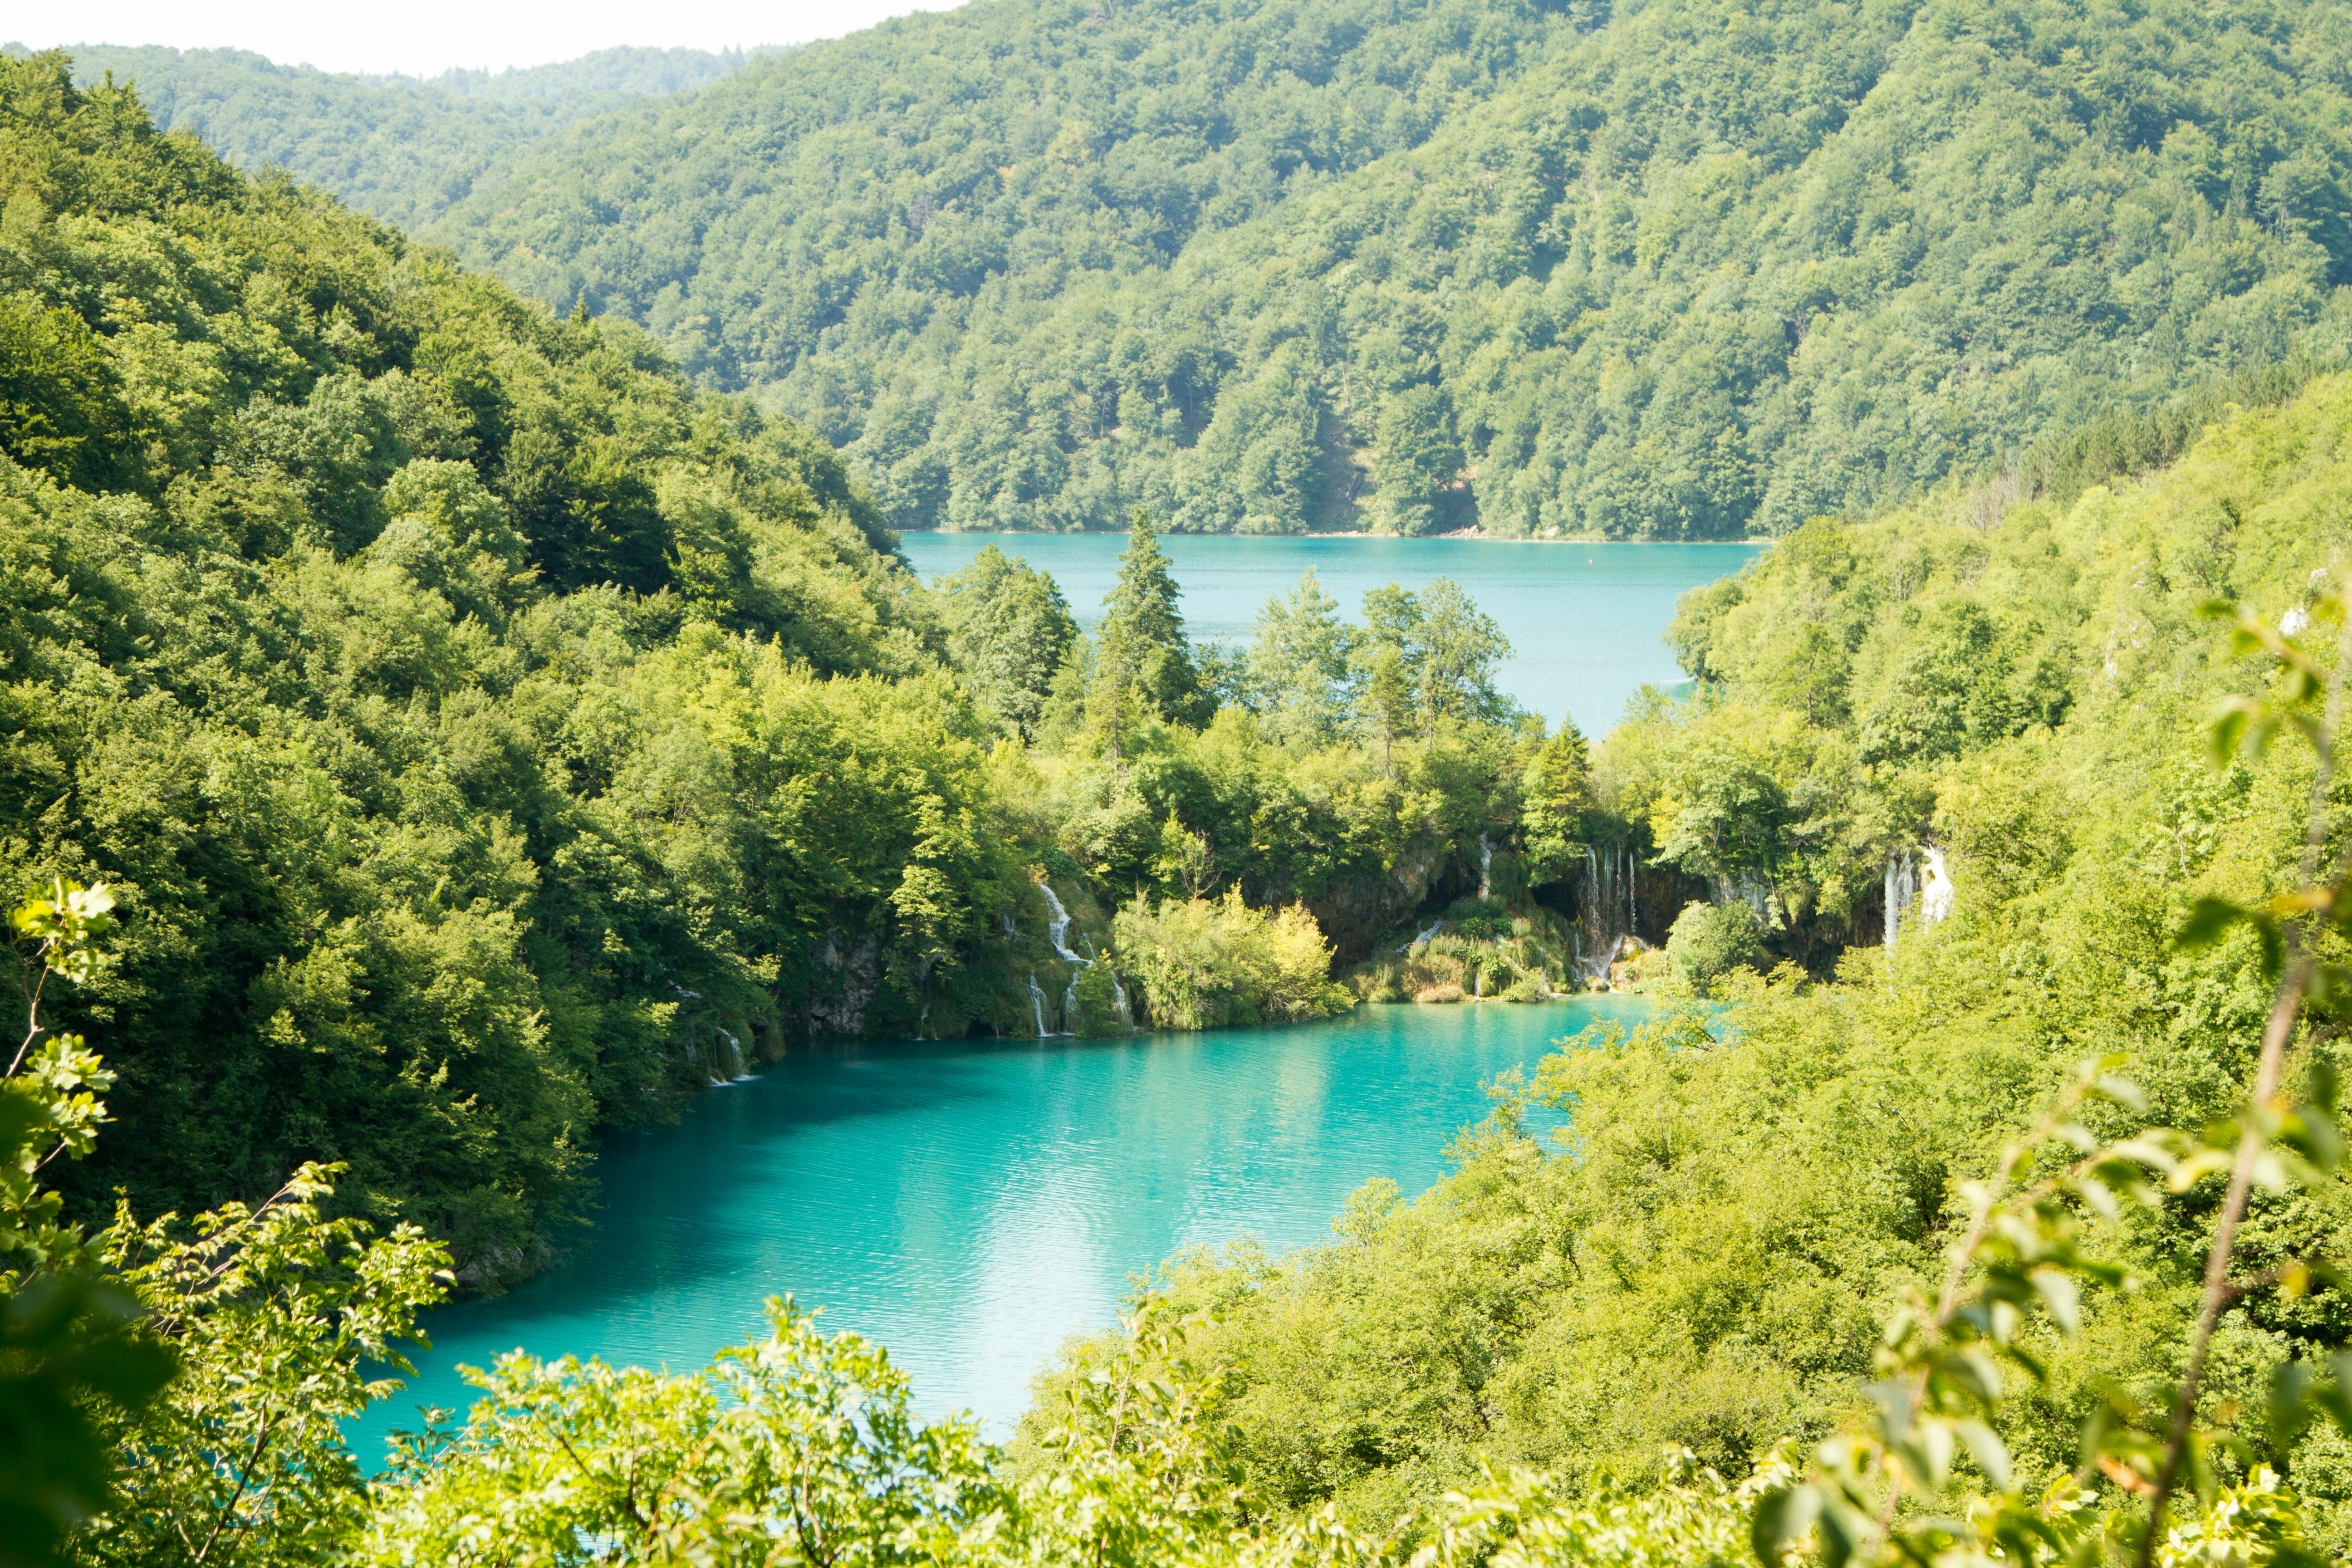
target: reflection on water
<point>972,1204</point>
<point>1587,622</point>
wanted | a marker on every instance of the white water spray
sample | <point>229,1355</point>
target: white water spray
<point>1935,897</point>
<point>1037,1005</point>
<point>1058,931</point>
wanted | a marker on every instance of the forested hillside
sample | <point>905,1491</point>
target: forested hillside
<point>1657,271</point>
<point>1739,1200</point>
<point>351,605</point>
<point>399,147</point>
<point>477,735</point>
<point>488,738</point>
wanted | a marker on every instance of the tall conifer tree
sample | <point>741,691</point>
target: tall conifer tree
<point>1143,616</point>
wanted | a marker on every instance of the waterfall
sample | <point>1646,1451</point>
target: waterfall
<point>1057,929</point>
<point>1435,927</point>
<point>1905,889</point>
<point>1486,867</point>
<point>734,1063</point>
<point>1597,967</point>
<point>1901,887</point>
<point>1935,897</point>
<point>1608,910</point>
<point>1038,1004</point>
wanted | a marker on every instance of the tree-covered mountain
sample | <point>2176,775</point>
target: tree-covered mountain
<point>487,736</point>
<point>1681,269</point>
<point>480,735</point>
<point>402,148</point>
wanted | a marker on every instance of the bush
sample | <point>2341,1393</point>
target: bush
<point>1446,992</point>
<point>1528,987</point>
<point>1206,963</point>
<point>1711,940</point>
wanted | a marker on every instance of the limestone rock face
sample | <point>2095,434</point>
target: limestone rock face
<point>1355,909</point>
<point>852,971</point>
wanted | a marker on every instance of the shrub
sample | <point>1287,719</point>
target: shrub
<point>1447,991</point>
<point>1206,963</point>
<point>1710,940</point>
<point>1531,986</point>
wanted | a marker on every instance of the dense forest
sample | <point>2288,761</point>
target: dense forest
<point>434,729</point>
<point>1662,270</point>
<point>492,738</point>
<point>401,148</point>
<point>1673,269</point>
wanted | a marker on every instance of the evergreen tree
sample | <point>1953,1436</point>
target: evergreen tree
<point>1556,798</point>
<point>1141,615</point>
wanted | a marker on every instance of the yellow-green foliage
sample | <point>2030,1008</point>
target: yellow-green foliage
<point>1510,955</point>
<point>1204,963</point>
<point>1705,1254</point>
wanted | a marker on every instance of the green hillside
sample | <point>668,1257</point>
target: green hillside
<point>399,147</point>
<point>1676,269</point>
<point>433,729</point>
<point>491,738</point>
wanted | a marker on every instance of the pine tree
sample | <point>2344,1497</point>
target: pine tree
<point>1143,617</point>
<point>1556,798</point>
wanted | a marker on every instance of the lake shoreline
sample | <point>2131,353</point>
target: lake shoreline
<point>1464,535</point>
<point>1587,625</point>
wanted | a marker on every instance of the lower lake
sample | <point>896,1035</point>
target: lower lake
<point>1587,622</point>
<point>972,1204</point>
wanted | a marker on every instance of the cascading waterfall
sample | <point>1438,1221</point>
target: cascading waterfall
<point>734,1062</point>
<point>1486,867</point>
<point>1058,931</point>
<point>1057,926</point>
<point>1609,910</point>
<point>1902,888</point>
<point>1435,927</point>
<point>1037,1005</point>
<point>1905,889</point>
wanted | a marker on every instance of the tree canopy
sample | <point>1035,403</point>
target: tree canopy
<point>1680,269</point>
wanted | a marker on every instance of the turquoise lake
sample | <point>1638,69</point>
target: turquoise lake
<point>972,1204</point>
<point>1587,622</point>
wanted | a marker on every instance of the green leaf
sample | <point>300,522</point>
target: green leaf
<point>2291,1408</point>
<point>2057,1292</point>
<point>1987,1450</point>
<point>2209,921</point>
<point>1781,1520</point>
<point>2312,1133</point>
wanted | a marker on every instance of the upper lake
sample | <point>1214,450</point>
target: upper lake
<point>1587,622</point>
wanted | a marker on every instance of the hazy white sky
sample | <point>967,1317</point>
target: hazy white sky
<point>423,37</point>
